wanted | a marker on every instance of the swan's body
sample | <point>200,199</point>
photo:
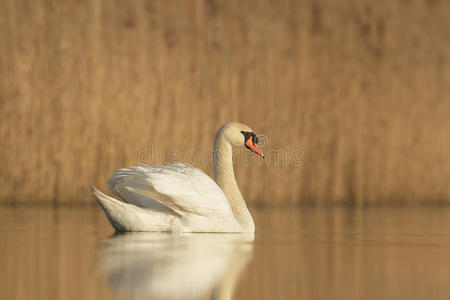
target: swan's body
<point>181,198</point>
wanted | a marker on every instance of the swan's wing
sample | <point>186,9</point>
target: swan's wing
<point>182,188</point>
<point>124,178</point>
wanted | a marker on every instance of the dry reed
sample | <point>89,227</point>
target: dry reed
<point>361,88</point>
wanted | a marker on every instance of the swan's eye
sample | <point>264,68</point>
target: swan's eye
<point>248,135</point>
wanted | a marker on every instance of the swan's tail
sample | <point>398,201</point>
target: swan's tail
<point>105,202</point>
<point>128,217</point>
<point>114,209</point>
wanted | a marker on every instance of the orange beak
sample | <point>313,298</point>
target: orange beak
<point>249,143</point>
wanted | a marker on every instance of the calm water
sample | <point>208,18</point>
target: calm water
<point>304,253</point>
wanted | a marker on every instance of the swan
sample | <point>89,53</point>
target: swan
<point>181,198</point>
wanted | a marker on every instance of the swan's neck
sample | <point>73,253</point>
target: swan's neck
<point>224,177</point>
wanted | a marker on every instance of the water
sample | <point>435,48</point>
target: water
<point>304,253</point>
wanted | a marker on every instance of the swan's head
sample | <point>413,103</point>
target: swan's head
<point>239,135</point>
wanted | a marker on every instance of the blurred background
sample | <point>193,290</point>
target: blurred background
<point>352,98</point>
<point>361,88</point>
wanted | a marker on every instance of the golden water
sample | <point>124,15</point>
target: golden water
<point>302,253</point>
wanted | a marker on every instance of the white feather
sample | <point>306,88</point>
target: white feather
<point>182,188</point>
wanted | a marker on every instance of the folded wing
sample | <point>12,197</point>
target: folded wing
<point>180,188</point>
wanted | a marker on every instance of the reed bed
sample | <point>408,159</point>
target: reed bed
<point>360,89</point>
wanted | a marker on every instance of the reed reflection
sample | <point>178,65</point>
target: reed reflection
<point>172,266</point>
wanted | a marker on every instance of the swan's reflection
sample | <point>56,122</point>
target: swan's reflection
<point>175,266</point>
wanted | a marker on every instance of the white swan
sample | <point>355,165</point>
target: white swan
<point>181,198</point>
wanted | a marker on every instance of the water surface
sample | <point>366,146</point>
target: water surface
<point>303,253</point>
